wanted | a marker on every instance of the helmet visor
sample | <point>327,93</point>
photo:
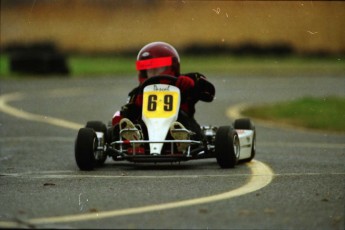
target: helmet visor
<point>153,63</point>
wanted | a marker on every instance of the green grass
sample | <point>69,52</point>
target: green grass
<point>314,113</point>
<point>272,66</point>
<point>4,66</point>
<point>81,66</point>
<point>88,65</point>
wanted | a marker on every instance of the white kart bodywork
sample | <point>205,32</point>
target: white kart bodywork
<point>158,120</point>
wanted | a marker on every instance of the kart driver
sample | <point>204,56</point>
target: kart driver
<point>160,58</point>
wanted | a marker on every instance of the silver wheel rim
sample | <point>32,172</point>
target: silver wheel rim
<point>236,143</point>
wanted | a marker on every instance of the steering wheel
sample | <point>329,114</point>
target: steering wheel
<point>157,80</point>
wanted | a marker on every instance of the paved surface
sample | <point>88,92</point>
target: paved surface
<point>297,180</point>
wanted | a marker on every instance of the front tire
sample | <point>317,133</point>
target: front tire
<point>85,147</point>
<point>227,147</point>
<point>99,126</point>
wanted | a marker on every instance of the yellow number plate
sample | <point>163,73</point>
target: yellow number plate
<point>160,104</point>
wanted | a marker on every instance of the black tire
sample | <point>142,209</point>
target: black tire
<point>85,146</point>
<point>227,147</point>
<point>39,59</point>
<point>99,126</point>
<point>245,123</point>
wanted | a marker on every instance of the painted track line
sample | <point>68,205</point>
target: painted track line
<point>5,108</point>
<point>261,176</point>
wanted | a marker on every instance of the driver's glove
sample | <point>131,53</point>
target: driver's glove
<point>185,83</point>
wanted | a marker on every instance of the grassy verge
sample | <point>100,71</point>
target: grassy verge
<point>264,66</point>
<point>314,113</point>
<point>81,66</point>
<point>88,65</point>
<point>222,65</point>
<point>4,66</point>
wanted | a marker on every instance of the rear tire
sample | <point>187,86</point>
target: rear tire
<point>227,147</point>
<point>85,146</point>
<point>245,123</point>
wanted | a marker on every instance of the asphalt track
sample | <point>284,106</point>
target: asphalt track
<point>297,180</point>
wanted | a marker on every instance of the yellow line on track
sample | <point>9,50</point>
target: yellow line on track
<point>261,176</point>
<point>5,108</point>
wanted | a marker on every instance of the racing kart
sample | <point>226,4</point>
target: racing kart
<point>229,144</point>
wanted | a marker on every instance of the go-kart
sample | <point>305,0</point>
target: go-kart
<point>229,144</point>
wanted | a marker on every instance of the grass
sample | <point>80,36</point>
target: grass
<point>88,65</point>
<point>314,113</point>
<point>81,66</point>
<point>263,66</point>
<point>4,66</point>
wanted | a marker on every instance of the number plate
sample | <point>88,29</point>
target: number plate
<point>161,102</point>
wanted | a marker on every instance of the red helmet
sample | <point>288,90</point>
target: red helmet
<point>157,58</point>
